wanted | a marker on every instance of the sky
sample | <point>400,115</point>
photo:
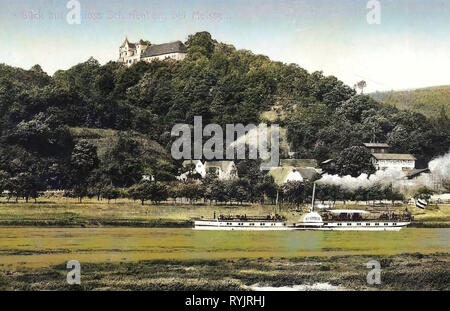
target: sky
<point>409,48</point>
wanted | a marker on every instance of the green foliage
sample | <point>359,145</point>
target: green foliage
<point>321,114</point>
<point>25,185</point>
<point>377,192</point>
<point>355,161</point>
<point>149,191</point>
<point>295,192</point>
<point>322,133</point>
<point>122,162</point>
<point>192,191</point>
<point>110,193</point>
<point>83,161</point>
<point>427,101</point>
<point>446,184</point>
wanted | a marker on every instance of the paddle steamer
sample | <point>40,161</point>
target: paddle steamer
<point>325,220</point>
<point>352,220</point>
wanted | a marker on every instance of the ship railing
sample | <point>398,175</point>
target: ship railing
<point>252,218</point>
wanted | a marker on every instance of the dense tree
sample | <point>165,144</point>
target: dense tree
<point>355,161</point>
<point>294,192</point>
<point>26,185</point>
<point>149,191</point>
<point>110,193</point>
<point>192,191</point>
<point>140,192</point>
<point>4,181</point>
<point>123,162</point>
<point>83,161</point>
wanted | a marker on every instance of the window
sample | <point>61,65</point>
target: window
<point>377,224</point>
<point>358,224</point>
<point>349,224</point>
<point>367,224</point>
<point>386,224</point>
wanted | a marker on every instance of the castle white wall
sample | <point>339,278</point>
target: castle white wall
<point>130,56</point>
<point>175,56</point>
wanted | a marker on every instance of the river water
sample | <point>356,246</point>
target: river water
<point>41,247</point>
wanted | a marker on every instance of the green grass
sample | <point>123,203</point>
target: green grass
<point>32,257</point>
<point>400,272</point>
<point>65,212</point>
<point>427,101</point>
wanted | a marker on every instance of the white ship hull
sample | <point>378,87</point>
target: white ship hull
<point>352,226</point>
<point>281,226</point>
<point>240,225</point>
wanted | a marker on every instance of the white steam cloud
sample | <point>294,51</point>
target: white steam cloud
<point>439,167</point>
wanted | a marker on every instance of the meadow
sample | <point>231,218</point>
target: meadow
<point>67,212</point>
<point>400,272</point>
<point>123,245</point>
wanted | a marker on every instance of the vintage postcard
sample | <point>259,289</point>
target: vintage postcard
<point>230,145</point>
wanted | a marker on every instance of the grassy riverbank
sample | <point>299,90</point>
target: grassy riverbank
<point>399,272</point>
<point>125,213</point>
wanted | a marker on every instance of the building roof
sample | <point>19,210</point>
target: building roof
<point>393,156</point>
<point>416,172</point>
<point>131,45</point>
<point>280,174</point>
<point>124,42</point>
<point>328,161</point>
<point>307,172</point>
<point>376,145</point>
<point>166,48</point>
<point>299,162</point>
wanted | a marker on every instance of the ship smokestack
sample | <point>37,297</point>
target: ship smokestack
<point>313,197</point>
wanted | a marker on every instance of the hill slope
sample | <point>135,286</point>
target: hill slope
<point>105,138</point>
<point>133,110</point>
<point>428,101</point>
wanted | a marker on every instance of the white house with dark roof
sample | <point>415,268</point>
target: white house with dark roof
<point>383,161</point>
<point>131,53</point>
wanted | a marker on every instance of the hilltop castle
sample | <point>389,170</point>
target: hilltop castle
<point>131,53</point>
